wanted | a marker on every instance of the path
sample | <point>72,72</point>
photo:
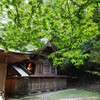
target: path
<point>46,96</point>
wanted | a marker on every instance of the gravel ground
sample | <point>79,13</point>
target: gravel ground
<point>44,96</point>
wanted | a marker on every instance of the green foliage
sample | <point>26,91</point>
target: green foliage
<point>24,27</point>
<point>71,27</point>
<point>95,53</point>
<point>66,23</point>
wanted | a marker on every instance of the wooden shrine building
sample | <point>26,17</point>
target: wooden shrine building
<point>22,74</point>
<point>5,59</point>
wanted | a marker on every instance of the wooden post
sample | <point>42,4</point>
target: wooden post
<point>55,71</point>
<point>3,68</point>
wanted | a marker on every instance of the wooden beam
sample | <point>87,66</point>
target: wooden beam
<point>13,57</point>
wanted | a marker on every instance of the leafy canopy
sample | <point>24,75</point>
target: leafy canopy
<point>68,24</point>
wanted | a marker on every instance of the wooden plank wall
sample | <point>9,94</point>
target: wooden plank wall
<point>3,68</point>
<point>22,86</point>
<point>16,86</point>
<point>39,67</point>
<point>44,67</point>
<point>46,84</point>
<point>10,86</point>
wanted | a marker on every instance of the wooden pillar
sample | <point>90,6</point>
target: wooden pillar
<point>3,68</point>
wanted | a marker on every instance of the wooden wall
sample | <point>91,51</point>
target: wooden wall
<point>24,85</point>
<point>46,84</point>
<point>44,67</point>
<point>3,68</point>
<point>16,86</point>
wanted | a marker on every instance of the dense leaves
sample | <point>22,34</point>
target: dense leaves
<point>68,24</point>
<point>95,52</point>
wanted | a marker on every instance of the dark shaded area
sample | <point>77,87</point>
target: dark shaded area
<point>85,76</point>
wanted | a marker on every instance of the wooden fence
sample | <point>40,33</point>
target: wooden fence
<point>28,85</point>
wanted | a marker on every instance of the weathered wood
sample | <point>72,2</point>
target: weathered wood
<point>3,68</point>
<point>24,85</point>
<point>44,67</point>
<point>10,86</point>
<point>46,83</point>
<point>12,57</point>
<point>16,86</point>
<point>42,76</point>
